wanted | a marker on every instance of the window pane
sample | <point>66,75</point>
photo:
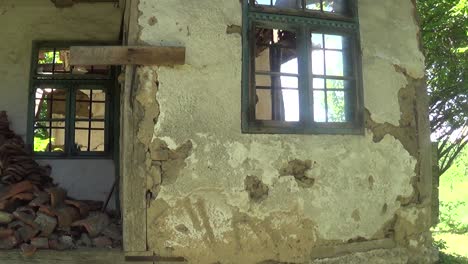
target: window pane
<point>287,3</point>
<point>82,136</point>
<point>49,120</point>
<point>334,62</point>
<point>275,51</point>
<point>53,61</point>
<point>280,3</point>
<point>333,42</point>
<point>291,105</point>
<point>263,105</point>
<point>313,4</point>
<point>90,103</point>
<point>336,106</point>
<point>262,2</point>
<point>58,137</point>
<point>276,68</point>
<point>41,138</point>
<point>318,83</point>
<point>89,136</point>
<point>318,62</point>
<point>49,137</point>
<point>263,80</point>
<point>91,112</point>
<point>319,106</point>
<point>282,105</point>
<point>289,82</point>
<point>57,103</point>
<point>317,41</point>
<point>335,6</point>
<point>273,59</point>
<point>336,84</point>
<point>97,140</point>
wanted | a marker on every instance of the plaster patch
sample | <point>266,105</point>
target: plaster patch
<point>382,84</point>
<point>355,175</point>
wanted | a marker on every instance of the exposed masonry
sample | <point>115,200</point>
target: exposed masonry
<point>208,213</point>
<point>256,188</point>
<point>414,234</point>
<point>299,169</point>
<point>164,165</point>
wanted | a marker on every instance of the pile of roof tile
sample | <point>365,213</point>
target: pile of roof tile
<point>36,214</point>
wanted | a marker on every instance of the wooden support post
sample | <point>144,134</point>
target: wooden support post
<point>133,185</point>
<point>126,55</point>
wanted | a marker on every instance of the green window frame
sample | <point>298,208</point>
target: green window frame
<point>61,101</point>
<point>320,110</point>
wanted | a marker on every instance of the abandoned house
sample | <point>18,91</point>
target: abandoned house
<point>251,131</point>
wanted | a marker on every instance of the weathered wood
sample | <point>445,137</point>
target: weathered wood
<point>340,250</point>
<point>88,256</point>
<point>126,55</point>
<point>424,169</point>
<point>65,257</point>
<point>151,257</point>
<point>133,187</point>
<point>69,3</point>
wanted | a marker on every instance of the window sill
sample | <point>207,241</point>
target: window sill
<point>255,128</point>
<point>60,156</point>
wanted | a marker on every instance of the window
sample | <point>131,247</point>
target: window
<point>301,69</point>
<point>70,106</point>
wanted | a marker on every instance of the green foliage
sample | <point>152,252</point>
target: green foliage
<point>459,169</point>
<point>449,218</point>
<point>448,258</point>
<point>40,144</point>
<point>49,57</point>
<point>445,38</point>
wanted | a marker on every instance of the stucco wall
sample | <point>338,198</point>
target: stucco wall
<point>27,20</point>
<point>221,196</point>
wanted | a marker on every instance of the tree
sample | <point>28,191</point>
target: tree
<point>444,25</point>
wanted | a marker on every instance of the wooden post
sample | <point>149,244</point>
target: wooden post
<point>133,186</point>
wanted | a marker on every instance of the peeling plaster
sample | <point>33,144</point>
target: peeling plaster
<point>206,213</point>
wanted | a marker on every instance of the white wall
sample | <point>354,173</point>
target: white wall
<point>27,20</point>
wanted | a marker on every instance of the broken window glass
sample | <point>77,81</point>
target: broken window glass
<point>71,112</point>
<point>276,75</point>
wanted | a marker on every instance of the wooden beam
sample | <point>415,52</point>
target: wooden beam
<point>126,55</point>
<point>69,3</point>
<point>80,256</point>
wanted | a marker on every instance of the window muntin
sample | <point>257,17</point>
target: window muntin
<point>303,72</point>
<point>70,105</point>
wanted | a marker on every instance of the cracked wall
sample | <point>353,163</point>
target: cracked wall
<point>220,196</point>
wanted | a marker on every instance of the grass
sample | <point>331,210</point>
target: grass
<point>451,235</point>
